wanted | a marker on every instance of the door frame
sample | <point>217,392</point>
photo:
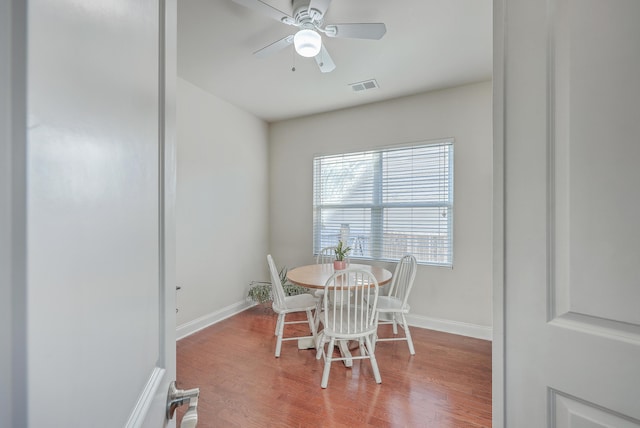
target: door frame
<point>154,396</point>
<point>498,342</point>
<point>13,234</point>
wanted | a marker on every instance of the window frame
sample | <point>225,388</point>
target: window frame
<point>377,206</point>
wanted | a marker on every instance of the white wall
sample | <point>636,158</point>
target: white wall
<point>221,206</point>
<point>458,299</point>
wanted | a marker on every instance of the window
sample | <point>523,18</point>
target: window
<point>387,203</point>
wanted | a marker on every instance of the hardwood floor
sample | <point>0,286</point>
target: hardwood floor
<point>446,384</point>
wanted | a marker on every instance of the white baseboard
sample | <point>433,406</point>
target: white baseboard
<point>198,324</point>
<point>447,326</point>
<point>453,327</point>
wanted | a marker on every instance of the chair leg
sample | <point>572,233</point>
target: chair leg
<point>374,339</point>
<point>374,362</point>
<point>312,324</point>
<point>275,333</point>
<point>279,333</point>
<point>317,314</point>
<point>405,326</point>
<point>395,323</point>
<point>320,346</point>
<point>327,364</point>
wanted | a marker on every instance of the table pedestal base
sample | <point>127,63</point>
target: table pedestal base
<point>343,345</point>
<point>306,343</point>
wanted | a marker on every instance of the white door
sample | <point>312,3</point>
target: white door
<point>97,271</point>
<point>571,92</point>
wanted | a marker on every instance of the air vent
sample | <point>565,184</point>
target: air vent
<point>364,85</point>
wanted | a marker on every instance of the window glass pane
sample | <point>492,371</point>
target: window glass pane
<point>331,221</point>
<point>418,174</point>
<point>346,179</point>
<point>423,232</point>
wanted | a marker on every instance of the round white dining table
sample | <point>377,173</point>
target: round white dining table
<point>316,275</point>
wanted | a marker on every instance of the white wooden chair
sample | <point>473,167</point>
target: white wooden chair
<point>395,305</point>
<point>349,315</point>
<point>283,305</point>
<point>326,255</point>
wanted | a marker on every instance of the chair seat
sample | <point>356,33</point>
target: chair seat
<point>297,303</point>
<point>391,304</point>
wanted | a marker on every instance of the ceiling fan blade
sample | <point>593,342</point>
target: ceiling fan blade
<point>274,47</point>
<point>266,9</point>
<point>324,61</point>
<point>373,30</point>
<point>319,6</point>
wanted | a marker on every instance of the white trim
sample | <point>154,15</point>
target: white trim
<point>498,357</point>
<point>139,413</point>
<point>13,213</point>
<point>420,321</point>
<point>453,327</point>
<point>198,324</point>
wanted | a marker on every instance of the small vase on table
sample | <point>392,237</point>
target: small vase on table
<point>339,264</point>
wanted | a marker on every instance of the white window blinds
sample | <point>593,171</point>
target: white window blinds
<point>387,203</point>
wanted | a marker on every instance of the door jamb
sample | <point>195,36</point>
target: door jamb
<point>499,327</point>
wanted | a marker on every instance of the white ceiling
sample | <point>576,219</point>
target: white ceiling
<point>429,45</point>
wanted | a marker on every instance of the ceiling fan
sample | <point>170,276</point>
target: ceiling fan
<point>308,17</point>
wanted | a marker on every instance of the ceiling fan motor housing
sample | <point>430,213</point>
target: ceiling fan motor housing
<point>304,17</point>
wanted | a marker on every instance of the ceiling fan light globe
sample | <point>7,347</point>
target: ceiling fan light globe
<point>307,43</point>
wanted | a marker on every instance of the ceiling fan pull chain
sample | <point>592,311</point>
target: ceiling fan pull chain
<point>293,52</point>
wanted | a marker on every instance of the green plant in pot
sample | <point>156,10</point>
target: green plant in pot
<point>260,291</point>
<point>342,252</point>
